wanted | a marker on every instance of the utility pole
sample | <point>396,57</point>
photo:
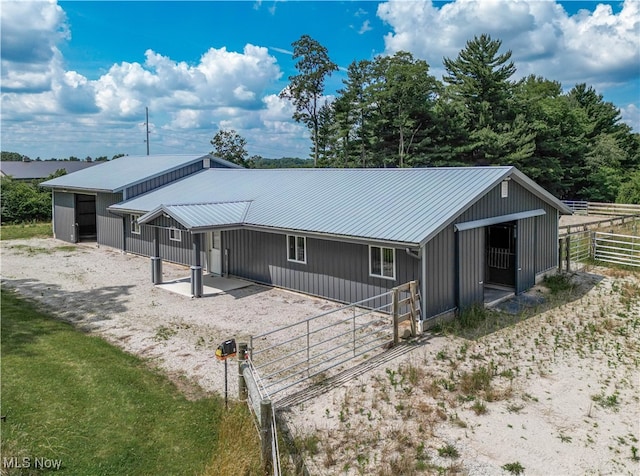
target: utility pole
<point>147,124</point>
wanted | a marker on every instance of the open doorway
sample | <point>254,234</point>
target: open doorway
<point>86,217</point>
<point>500,255</point>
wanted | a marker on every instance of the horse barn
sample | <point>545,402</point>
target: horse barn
<point>342,234</point>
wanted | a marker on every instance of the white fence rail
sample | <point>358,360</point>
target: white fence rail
<point>576,249</point>
<point>617,249</point>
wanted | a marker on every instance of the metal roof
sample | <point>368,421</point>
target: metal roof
<point>41,169</point>
<point>118,174</point>
<point>395,205</point>
<point>201,215</point>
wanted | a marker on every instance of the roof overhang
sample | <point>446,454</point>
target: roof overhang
<point>469,225</point>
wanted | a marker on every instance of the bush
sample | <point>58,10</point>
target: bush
<point>24,201</point>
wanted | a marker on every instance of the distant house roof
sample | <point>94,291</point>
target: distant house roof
<point>36,169</point>
<point>393,205</point>
<point>118,174</point>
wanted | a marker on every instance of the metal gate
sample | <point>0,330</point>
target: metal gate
<point>291,355</point>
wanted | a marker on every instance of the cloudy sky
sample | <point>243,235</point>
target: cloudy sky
<point>77,76</point>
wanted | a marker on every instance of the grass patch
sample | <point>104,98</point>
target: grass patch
<point>76,398</point>
<point>514,468</point>
<point>558,283</point>
<point>25,231</point>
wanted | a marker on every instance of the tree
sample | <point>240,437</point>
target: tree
<point>307,87</point>
<point>229,145</point>
<point>629,191</point>
<point>13,157</point>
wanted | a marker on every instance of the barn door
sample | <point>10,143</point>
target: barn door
<point>525,254</point>
<point>471,267</point>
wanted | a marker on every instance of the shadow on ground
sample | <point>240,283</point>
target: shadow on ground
<point>78,307</point>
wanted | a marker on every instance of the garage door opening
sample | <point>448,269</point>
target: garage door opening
<point>500,256</point>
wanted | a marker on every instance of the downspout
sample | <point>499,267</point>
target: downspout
<point>423,284</point>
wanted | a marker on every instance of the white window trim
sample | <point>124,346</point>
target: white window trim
<point>295,237</point>
<point>175,234</point>
<point>381,248</point>
<point>504,189</point>
<point>135,226</point>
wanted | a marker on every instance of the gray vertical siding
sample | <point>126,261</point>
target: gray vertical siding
<point>163,179</point>
<point>526,248</point>
<point>335,270</point>
<point>173,251</point>
<point>539,235</point>
<point>109,225</point>
<point>520,200</point>
<point>440,280</point>
<point>64,216</point>
<point>470,264</point>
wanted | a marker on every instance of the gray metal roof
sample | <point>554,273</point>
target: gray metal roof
<point>394,205</point>
<point>37,169</point>
<point>201,215</point>
<point>118,174</point>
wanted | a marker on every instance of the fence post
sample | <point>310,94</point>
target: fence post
<point>568,249</point>
<point>413,289</point>
<point>242,384</point>
<point>266,417</point>
<point>394,310</point>
<point>560,253</point>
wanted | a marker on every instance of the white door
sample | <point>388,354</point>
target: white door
<point>215,255</point>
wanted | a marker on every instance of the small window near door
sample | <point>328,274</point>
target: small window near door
<point>297,249</point>
<point>382,262</point>
<point>175,234</point>
<point>135,226</point>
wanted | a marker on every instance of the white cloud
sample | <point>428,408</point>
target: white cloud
<point>30,33</point>
<point>599,47</point>
<point>631,116</point>
<point>366,26</point>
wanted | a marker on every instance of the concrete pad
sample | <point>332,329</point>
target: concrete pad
<point>211,285</point>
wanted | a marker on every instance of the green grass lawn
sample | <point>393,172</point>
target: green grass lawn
<point>26,230</point>
<point>75,398</point>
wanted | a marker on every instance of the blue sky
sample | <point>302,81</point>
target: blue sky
<point>77,76</point>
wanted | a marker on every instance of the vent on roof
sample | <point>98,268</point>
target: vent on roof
<point>206,163</point>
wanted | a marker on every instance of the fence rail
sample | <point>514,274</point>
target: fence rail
<point>601,208</point>
<point>576,249</point>
<point>594,225</point>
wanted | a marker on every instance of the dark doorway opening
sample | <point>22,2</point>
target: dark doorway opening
<point>86,217</point>
<point>500,259</point>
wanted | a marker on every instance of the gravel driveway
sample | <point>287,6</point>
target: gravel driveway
<point>109,293</point>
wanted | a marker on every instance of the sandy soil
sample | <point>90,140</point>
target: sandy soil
<point>558,393</point>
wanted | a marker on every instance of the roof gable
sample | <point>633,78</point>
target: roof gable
<point>117,174</point>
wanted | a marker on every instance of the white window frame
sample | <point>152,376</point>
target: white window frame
<point>382,266</point>
<point>175,234</point>
<point>135,226</point>
<point>296,239</point>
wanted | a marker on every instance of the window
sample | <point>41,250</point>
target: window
<point>135,226</point>
<point>296,248</point>
<point>175,234</point>
<point>382,262</point>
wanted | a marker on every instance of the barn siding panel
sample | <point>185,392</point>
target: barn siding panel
<point>163,179</point>
<point>109,225</point>
<point>526,254</point>
<point>335,270</point>
<point>65,216</point>
<point>470,266</point>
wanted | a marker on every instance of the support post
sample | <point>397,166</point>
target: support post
<point>266,417</point>
<point>156,261</point>
<point>242,384</point>
<point>196,269</point>
<point>413,289</point>
<point>394,310</point>
<point>568,251</point>
<point>560,254</point>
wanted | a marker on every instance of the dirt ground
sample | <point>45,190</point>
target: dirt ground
<point>558,393</point>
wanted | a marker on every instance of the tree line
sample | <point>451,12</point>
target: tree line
<point>391,112</point>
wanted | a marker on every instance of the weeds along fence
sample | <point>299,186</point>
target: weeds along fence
<point>284,358</point>
<point>600,208</point>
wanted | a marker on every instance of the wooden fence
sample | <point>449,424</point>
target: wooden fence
<point>599,208</point>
